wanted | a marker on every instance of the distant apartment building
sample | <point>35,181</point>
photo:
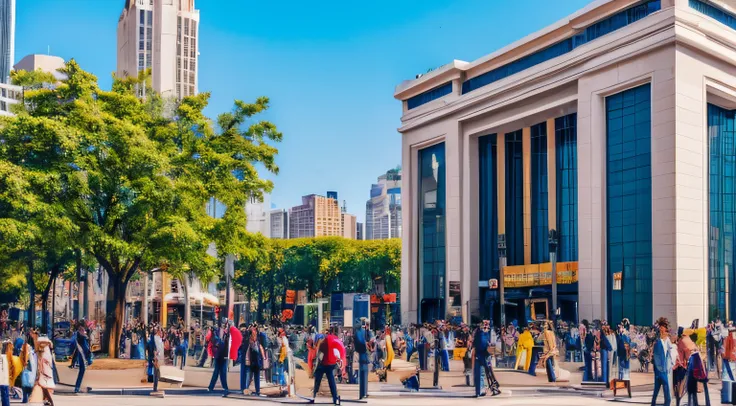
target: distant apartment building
<point>383,209</point>
<point>317,216</point>
<point>348,224</point>
<point>46,63</point>
<point>161,35</point>
<point>359,231</point>
<point>258,215</point>
<point>7,38</point>
<point>279,224</point>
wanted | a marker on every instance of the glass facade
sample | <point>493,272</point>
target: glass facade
<point>566,140</point>
<point>629,204</point>
<point>714,12</point>
<point>595,31</point>
<point>488,208</point>
<point>429,95</point>
<point>431,259</point>
<point>722,219</point>
<point>540,203</point>
<point>514,199</point>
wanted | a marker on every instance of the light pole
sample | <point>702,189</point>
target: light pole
<point>501,300</point>
<point>553,259</point>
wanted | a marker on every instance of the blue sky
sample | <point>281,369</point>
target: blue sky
<point>329,67</point>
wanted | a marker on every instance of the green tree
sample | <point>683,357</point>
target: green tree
<point>137,181</point>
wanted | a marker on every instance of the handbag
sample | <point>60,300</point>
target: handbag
<point>27,380</point>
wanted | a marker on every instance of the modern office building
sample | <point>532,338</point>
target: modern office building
<point>9,95</point>
<point>359,231</point>
<point>317,216</point>
<point>279,224</point>
<point>161,35</point>
<point>7,39</point>
<point>383,209</point>
<point>348,225</point>
<point>614,127</point>
<point>258,215</point>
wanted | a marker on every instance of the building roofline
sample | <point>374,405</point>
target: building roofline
<point>548,35</point>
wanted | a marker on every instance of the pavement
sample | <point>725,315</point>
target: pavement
<point>119,385</point>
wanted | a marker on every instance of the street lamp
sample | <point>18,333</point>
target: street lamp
<point>553,259</point>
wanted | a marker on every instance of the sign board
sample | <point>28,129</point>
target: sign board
<point>348,318</point>
<point>389,298</point>
<point>493,283</point>
<point>618,280</point>
<point>301,297</point>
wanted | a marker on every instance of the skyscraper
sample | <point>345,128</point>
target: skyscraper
<point>258,215</point>
<point>279,224</point>
<point>317,216</point>
<point>348,225</point>
<point>161,35</point>
<point>7,38</point>
<point>383,209</point>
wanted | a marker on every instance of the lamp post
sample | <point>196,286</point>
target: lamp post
<point>553,259</point>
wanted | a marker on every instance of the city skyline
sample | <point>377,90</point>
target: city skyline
<point>301,61</point>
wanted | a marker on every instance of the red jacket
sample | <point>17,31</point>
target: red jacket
<point>328,347</point>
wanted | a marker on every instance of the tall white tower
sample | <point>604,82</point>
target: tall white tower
<point>7,39</point>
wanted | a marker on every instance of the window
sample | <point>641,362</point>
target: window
<point>142,31</point>
<point>149,32</point>
<point>488,209</point>
<point>540,204</point>
<point>714,12</point>
<point>432,232</point>
<point>722,219</point>
<point>566,141</point>
<point>141,45</point>
<point>514,199</point>
<point>194,28</point>
<point>429,95</point>
<point>149,17</point>
<point>597,30</point>
<point>142,16</point>
<point>192,65</point>
<point>629,204</point>
<point>186,63</point>
<point>186,26</point>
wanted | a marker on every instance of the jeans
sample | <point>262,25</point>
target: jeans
<point>221,372</point>
<point>477,365</point>
<point>329,371</point>
<point>26,392</point>
<point>80,376</point>
<point>604,367</point>
<point>363,379</point>
<point>549,365</point>
<point>422,357</point>
<point>183,356</point>
<point>535,360</point>
<point>156,376</point>
<point>202,357</point>
<point>588,372</point>
<point>4,395</point>
<point>445,360</point>
<point>409,354</point>
<point>252,372</point>
<point>663,382</point>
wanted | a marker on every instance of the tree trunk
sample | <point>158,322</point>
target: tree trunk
<point>187,303</point>
<point>260,304</point>
<point>144,306</point>
<point>31,322</point>
<point>116,289</point>
<point>273,299</point>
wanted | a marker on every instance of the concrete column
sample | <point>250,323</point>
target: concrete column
<point>526,147</point>
<point>453,217</point>
<point>409,269</point>
<point>551,175</point>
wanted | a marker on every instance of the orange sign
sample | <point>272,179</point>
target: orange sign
<point>375,299</point>
<point>290,297</point>
<point>389,298</point>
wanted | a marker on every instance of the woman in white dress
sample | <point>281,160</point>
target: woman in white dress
<point>46,370</point>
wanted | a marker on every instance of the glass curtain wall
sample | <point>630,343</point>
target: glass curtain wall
<point>540,203</point>
<point>629,204</point>
<point>514,199</point>
<point>566,141</point>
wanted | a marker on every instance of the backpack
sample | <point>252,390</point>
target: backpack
<point>699,371</point>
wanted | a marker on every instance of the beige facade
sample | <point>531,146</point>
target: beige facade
<point>46,63</point>
<point>689,60</point>
<point>317,216</point>
<point>348,225</point>
<point>161,35</point>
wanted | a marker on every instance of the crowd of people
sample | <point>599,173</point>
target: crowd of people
<point>27,368</point>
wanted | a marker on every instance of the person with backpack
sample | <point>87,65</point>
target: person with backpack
<point>330,355</point>
<point>83,355</point>
<point>220,338</point>
<point>697,372</point>
<point>362,340</point>
<point>153,372</point>
<point>253,360</point>
<point>685,347</point>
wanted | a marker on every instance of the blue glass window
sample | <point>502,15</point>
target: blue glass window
<point>488,207</point>
<point>629,204</point>
<point>429,95</point>
<point>566,141</point>
<point>514,199</point>
<point>540,204</point>
<point>432,189</point>
<point>721,230</point>
<point>714,12</point>
<point>597,30</point>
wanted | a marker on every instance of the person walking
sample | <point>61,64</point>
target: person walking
<point>697,373</point>
<point>153,356</point>
<point>330,355</point>
<point>46,370</point>
<point>220,338</point>
<point>362,338</point>
<point>83,356</point>
<point>253,361</point>
<point>685,347</point>
<point>480,344</point>
<point>606,350</point>
<point>663,362</point>
<point>5,373</point>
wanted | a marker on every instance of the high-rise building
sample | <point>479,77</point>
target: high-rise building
<point>359,231</point>
<point>258,215</point>
<point>161,35</point>
<point>317,216</point>
<point>7,38</point>
<point>348,225</point>
<point>46,63</point>
<point>279,224</point>
<point>383,209</point>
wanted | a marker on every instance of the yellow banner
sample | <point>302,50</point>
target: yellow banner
<point>521,276</point>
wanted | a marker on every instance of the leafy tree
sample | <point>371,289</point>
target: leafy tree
<point>136,181</point>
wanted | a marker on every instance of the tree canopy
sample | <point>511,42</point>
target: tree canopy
<point>126,181</point>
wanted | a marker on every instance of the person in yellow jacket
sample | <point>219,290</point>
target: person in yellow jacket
<point>389,349</point>
<point>524,349</point>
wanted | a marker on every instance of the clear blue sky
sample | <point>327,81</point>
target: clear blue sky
<point>329,67</point>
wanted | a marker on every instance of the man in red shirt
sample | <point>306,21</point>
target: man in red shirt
<point>331,354</point>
